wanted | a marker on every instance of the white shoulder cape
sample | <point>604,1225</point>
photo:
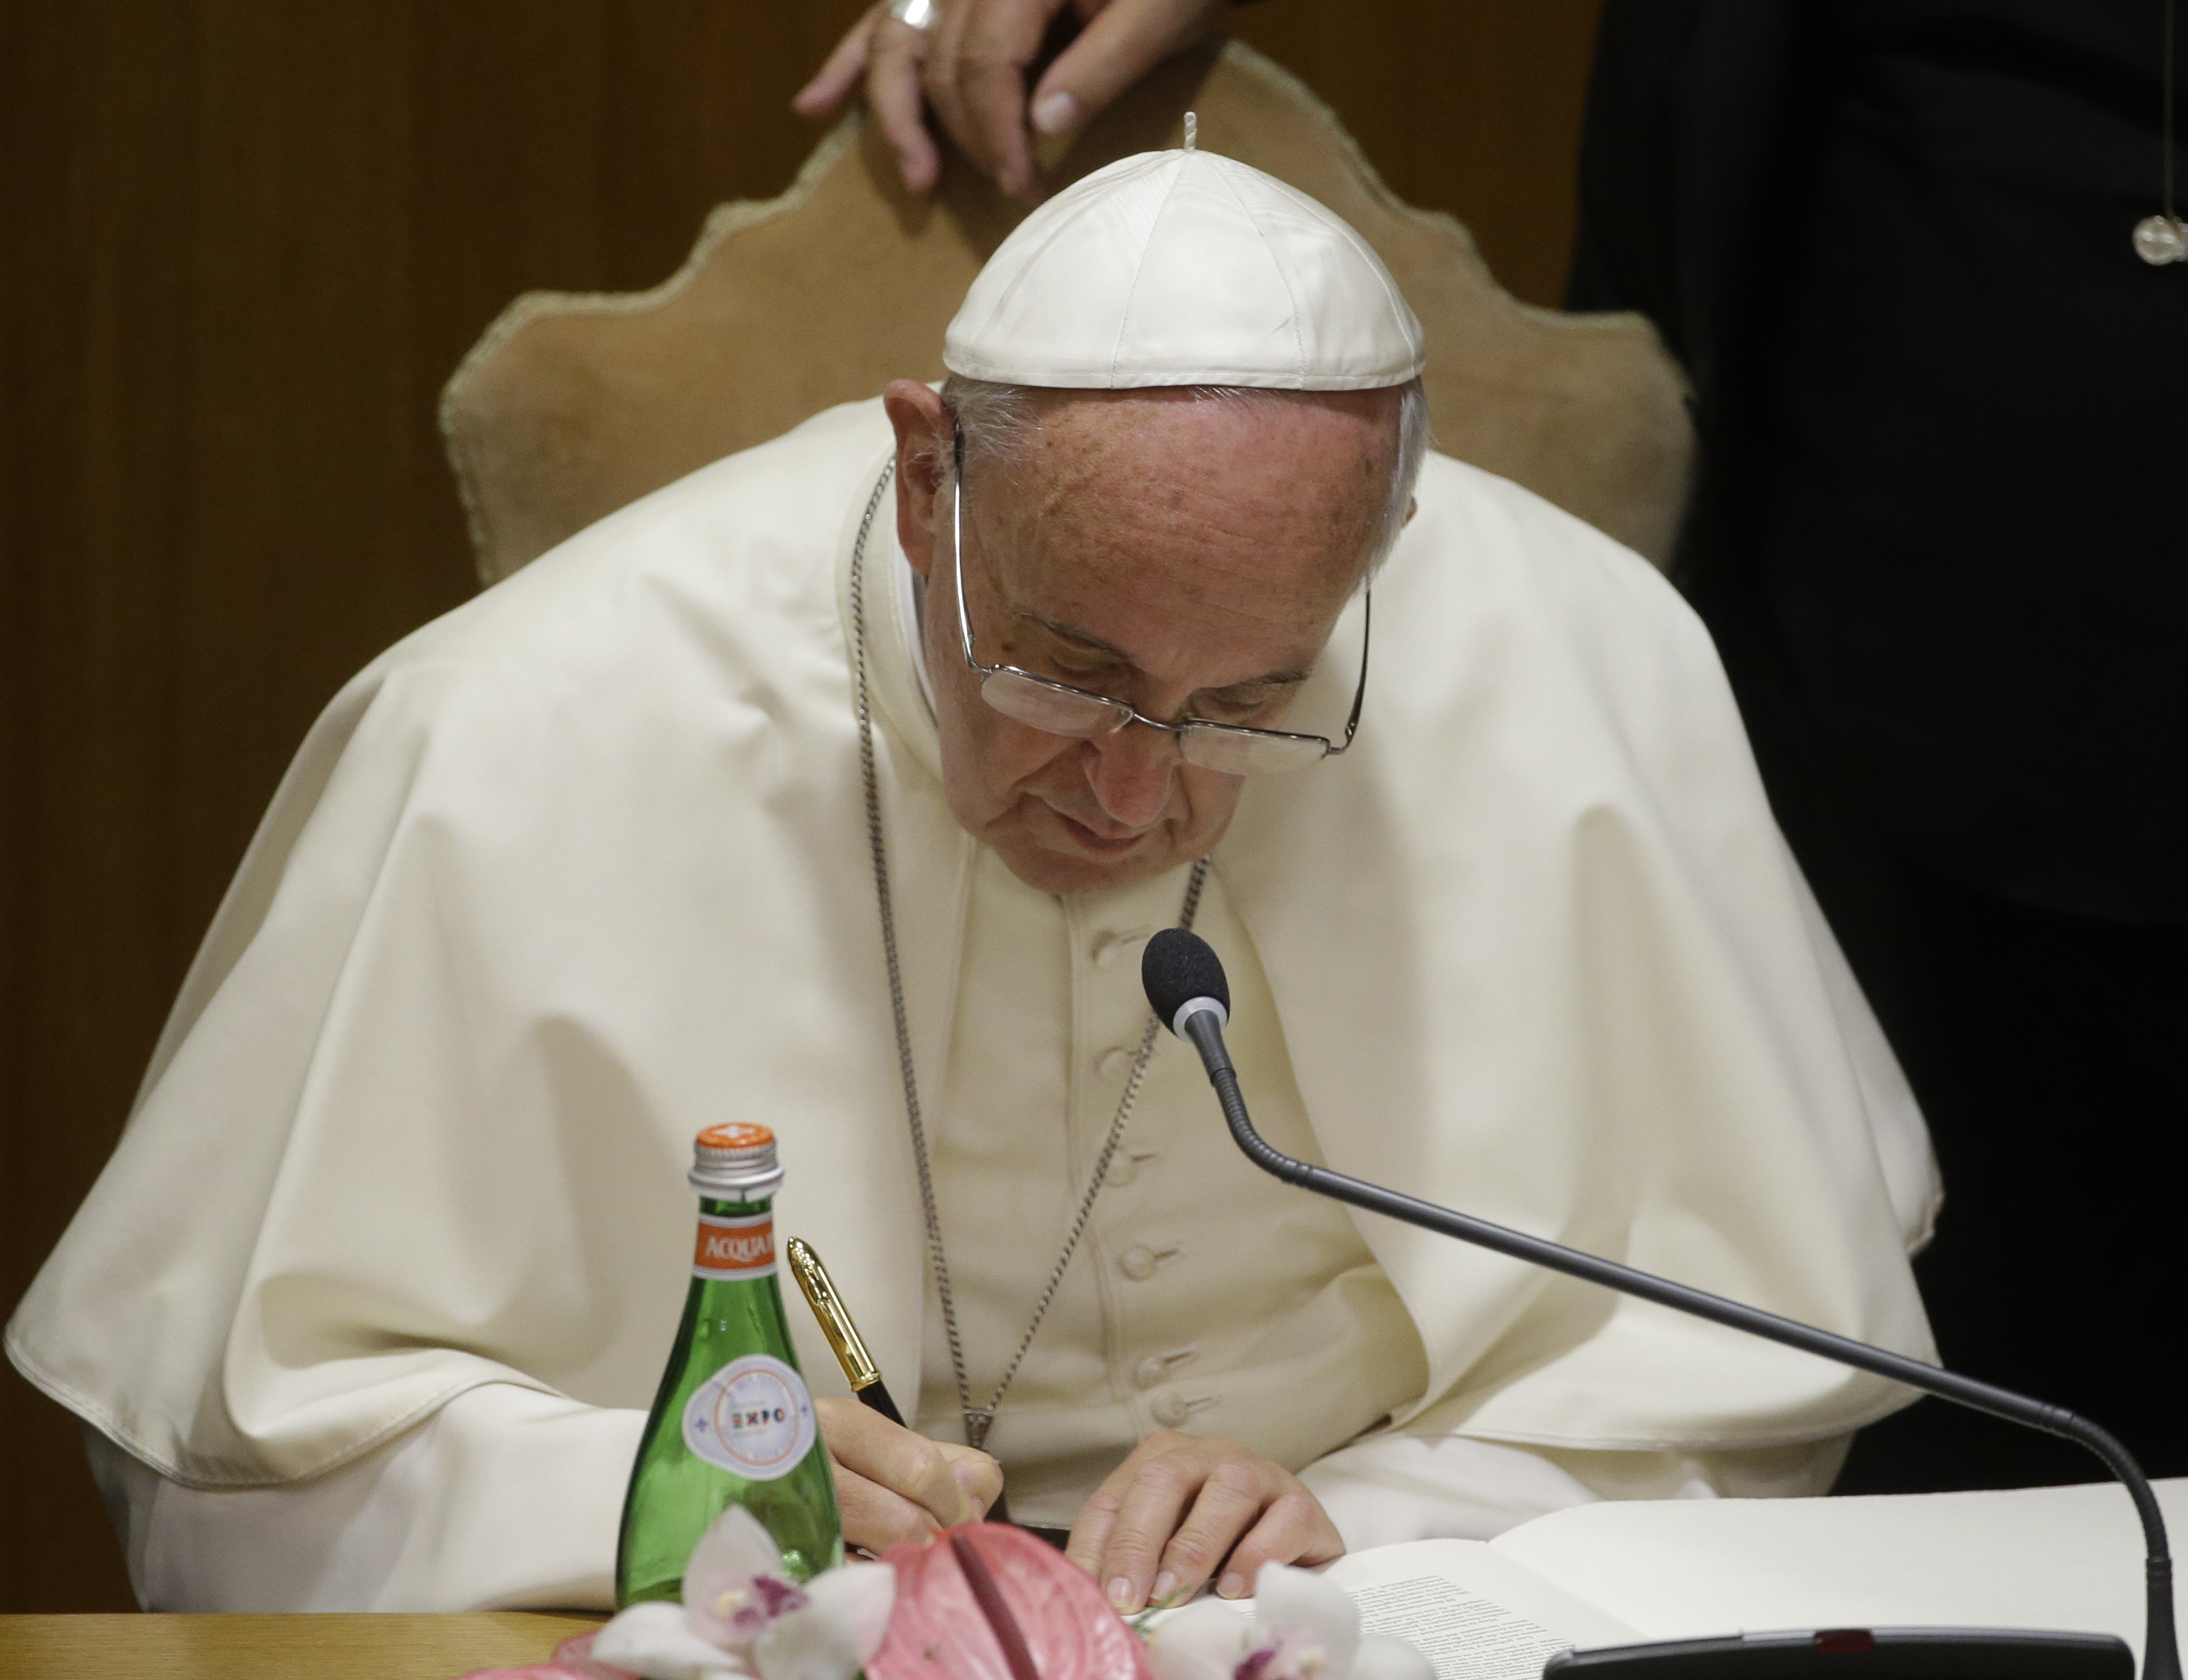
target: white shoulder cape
<point>581,868</point>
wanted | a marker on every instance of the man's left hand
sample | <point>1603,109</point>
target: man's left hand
<point>1181,1506</point>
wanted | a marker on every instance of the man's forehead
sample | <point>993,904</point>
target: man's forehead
<point>1094,461</point>
<point>1212,417</point>
<point>1182,536</point>
<point>1081,637</point>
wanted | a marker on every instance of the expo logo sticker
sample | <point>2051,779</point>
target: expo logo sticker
<point>753,1417</point>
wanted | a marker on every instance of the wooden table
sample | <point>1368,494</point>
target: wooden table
<point>289,1647</point>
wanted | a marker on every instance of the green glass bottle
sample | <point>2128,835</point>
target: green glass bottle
<point>733,1423</point>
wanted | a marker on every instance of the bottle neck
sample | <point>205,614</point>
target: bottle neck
<point>736,1242</point>
<point>724,1207</point>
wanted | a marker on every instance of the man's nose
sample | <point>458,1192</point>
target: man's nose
<point>1130,772</point>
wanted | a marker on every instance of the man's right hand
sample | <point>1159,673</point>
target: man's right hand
<point>892,1484</point>
<point>971,69</point>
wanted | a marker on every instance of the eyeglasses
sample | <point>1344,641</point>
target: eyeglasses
<point>1057,709</point>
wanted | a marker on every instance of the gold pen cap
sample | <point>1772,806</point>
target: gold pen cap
<point>858,1367</point>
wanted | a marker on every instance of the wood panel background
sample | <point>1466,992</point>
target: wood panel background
<point>242,242</point>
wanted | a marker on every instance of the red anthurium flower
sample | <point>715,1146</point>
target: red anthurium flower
<point>986,1602</point>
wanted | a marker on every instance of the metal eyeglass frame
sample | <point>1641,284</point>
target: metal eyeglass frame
<point>1124,713</point>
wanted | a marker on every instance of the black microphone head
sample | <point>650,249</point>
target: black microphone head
<point>1178,968</point>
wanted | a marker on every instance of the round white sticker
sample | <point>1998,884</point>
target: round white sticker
<point>753,1417</point>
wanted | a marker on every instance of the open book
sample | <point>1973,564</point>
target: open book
<point>2067,1558</point>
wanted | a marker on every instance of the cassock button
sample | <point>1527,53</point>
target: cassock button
<point>1138,1263</point>
<point>1174,1411</point>
<point>1124,1165</point>
<point>1155,1368</point>
<point>1111,946</point>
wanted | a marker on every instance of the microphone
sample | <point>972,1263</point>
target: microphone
<point>1186,987</point>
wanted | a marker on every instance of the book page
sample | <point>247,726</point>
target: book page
<point>1472,1613</point>
<point>2064,1559</point>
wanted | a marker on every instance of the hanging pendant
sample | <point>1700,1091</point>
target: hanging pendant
<point>2160,239</point>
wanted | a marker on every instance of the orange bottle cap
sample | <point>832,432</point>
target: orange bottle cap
<point>736,1157</point>
<point>737,1135</point>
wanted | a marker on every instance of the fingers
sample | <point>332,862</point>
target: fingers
<point>1182,1508</point>
<point>874,1516</point>
<point>971,65</point>
<point>1293,1529</point>
<point>1097,1518</point>
<point>886,54</point>
<point>980,1476</point>
<point>892,1484</point>
<point>1152,1507</point>
<point>832,84</point>
<point>1229,1504</point>
<point>1090,1531</point>
<point>893,90</point>
<point>976,79</point>
<point>1119,45</point>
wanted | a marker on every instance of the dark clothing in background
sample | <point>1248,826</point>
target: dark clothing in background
<point>1940,531</point>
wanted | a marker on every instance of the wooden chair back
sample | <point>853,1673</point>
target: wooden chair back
<point>571,406</point>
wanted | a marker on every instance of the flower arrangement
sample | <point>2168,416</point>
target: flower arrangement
<point>1303,1628</point>
<point>983,1602</point>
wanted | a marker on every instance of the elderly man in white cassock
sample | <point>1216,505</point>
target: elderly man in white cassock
<point>836,787</point>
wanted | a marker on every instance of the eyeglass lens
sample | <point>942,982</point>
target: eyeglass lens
<point>1235,754</point>
<point>1028,700</point>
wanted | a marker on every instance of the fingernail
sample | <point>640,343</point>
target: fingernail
<point>1054,113</point>
<point>1232,1585</point>
<point>1120,1594</point>
<point>1165,1584</point>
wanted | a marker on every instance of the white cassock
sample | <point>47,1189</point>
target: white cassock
<point>366,1310</point>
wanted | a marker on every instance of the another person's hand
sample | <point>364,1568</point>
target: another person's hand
<point>971,66</point>
<point>892,1484</point>
<point>1182,1505</point>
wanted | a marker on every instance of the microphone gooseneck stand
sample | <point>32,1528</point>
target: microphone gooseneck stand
<point>1191,983</point>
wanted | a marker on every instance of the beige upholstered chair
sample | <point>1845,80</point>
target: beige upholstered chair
<point>571,406</point>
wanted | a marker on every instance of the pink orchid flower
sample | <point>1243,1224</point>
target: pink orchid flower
<point>1303,1628</point>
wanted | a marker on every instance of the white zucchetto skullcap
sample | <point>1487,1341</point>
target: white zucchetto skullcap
<point>1184,268</point>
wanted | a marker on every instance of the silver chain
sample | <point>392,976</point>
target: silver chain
<point>978,1419</point>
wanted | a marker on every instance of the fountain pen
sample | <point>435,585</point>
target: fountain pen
<point>849,1348</point>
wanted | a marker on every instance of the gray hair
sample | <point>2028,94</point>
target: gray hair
<point>995,419</point>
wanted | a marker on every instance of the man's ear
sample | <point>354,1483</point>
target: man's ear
<point>924,438</point>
